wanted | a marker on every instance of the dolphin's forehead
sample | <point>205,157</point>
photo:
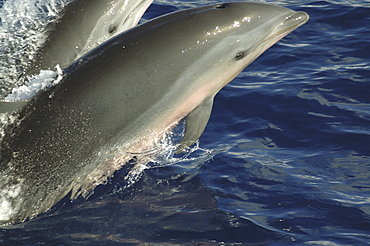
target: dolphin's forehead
<point>252,10</point>
<point>247,15</point>
<point>248,21</point>
<point>242,11</point>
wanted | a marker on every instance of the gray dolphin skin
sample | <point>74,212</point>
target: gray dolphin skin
<point>116,102</point>
<point>83,25</point>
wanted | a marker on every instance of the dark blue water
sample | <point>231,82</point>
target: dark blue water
<point>289,140</point>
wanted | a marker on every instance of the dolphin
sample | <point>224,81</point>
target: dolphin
<point>116,102</point>
<point>83,25</point>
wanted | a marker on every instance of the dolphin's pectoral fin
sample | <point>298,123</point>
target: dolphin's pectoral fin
<point>10,106</point>
<point>196,122</point>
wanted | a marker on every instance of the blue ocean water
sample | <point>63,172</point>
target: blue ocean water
<point>288,160</point>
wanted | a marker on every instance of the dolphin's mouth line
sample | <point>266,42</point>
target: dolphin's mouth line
<point>289,29</point>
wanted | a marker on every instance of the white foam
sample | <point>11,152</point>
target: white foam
<point>37,83</point>
<point>7,205</point>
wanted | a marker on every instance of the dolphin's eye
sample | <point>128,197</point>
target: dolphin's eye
<point>221,6</point>
<point>112,28</point>
<point>239,56</point>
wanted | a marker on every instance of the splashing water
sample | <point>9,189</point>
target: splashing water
<point>22,32</point>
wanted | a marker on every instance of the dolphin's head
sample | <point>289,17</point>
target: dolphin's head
<point>234,34</point>
<point>120,16</point>
<point>251,28</point>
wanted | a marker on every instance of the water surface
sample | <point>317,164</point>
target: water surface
<point>284,160</point>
